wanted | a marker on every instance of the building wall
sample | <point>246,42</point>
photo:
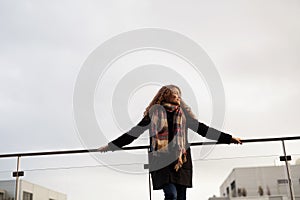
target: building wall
<point>39,192</point>
<point>265,177</point>
<point>9,187</point>
<point>253,198</point>
<point>218,198</point>
<point>3,194</point>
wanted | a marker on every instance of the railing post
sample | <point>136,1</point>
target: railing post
<point>149,175</point>
<point>288,171</point>
<point>150,195</point>
<point>17,180</point>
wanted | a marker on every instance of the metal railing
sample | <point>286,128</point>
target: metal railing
<point>19,173</point>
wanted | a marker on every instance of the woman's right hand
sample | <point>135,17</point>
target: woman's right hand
<point>103,149</point>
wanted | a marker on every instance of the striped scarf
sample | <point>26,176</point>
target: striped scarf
<point>159,132</point>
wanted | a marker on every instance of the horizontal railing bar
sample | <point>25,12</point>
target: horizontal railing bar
<point>137,147</point>
<point>250,140</point>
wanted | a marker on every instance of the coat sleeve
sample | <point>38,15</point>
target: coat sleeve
<point>208,132</point>
<point>131,135</point>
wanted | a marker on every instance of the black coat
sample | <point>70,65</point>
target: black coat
<point>167,174</point>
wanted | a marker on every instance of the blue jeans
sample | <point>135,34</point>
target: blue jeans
<point>174,192</point>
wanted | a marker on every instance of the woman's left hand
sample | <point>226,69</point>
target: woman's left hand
<point>236,140</point>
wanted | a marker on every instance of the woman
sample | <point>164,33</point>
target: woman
<point>167,117</point>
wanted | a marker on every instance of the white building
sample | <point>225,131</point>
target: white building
<point>268,182</point>
<point>28,191</point>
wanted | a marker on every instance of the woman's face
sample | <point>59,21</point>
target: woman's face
<point>175,96</point>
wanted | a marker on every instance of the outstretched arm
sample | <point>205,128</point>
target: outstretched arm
<point>127,137</point>
<point>211,133</point>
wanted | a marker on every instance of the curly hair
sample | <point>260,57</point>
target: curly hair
<point>161,96</point>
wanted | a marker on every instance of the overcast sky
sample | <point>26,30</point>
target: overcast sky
<point>254,46</point>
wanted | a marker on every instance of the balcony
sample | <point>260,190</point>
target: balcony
<point>265,168</point>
